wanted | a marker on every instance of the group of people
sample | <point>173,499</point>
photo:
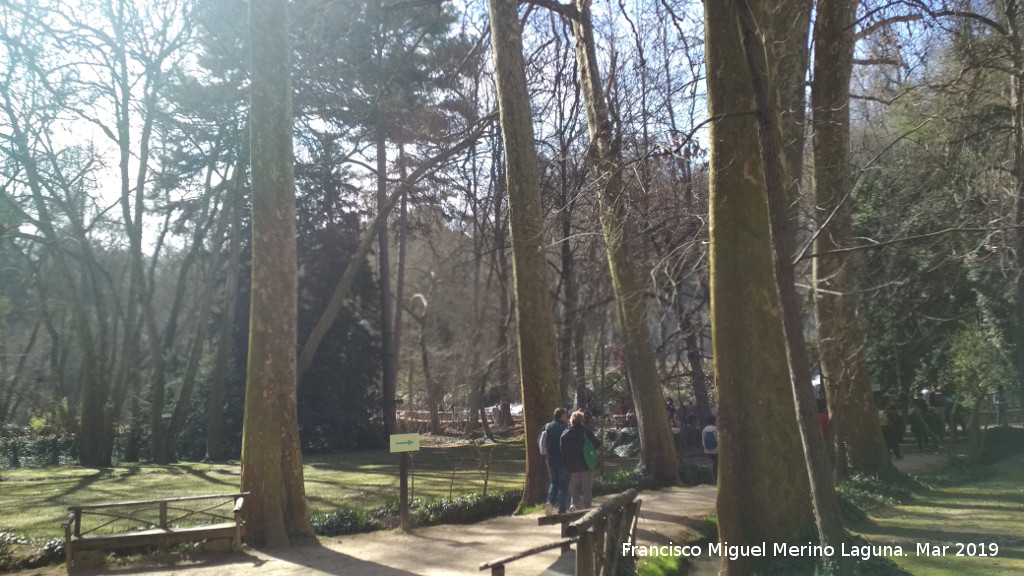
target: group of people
<point>930,413</point>
<point>565,441</point>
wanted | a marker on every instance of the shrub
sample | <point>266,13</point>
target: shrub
<point>959,472</point>
<point>465,509</point>
<point>621,480</point>
<point>343,521</point>
<point>866,492</point>
<point>1001,442</point>
<point>24,449</point>
<point>627,436</point>
<point>18,553</point>
<point>662,566</point>
<point>693,475</point>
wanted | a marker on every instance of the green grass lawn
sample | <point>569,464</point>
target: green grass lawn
<point>34,501</point>
<point>983,513</point>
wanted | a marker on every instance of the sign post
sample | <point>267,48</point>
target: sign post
<point>404,444</point>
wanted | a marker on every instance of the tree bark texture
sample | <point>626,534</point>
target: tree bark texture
<point>763,491</point>
<point>823,495</point>
<point>271,456</point>
<point>538,365</point>
<point>389,358</point>
<point>857,437</point>
<point>1016,42</point>
<point>659,451</point>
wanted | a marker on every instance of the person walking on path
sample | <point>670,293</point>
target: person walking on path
<point>709,438</point>
<point>574,458</point>
<point>559,488</point>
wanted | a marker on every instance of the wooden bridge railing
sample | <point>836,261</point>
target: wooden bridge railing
<point>598,535</point>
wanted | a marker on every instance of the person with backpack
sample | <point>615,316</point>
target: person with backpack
<point>709,438</point>
<point>579,455</point>
<point>550,446</point>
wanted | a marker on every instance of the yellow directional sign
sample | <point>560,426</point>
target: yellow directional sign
<point>405,442</point>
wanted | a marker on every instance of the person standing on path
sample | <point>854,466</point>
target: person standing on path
<point>558,491</point>
<point>709,438</point>
<point>581,479</point>
<point>999,400</point>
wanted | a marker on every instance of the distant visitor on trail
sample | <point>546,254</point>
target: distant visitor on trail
<point>579,455</point>
<point>559,476</point>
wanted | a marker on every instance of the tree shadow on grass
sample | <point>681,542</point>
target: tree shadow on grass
<point>1009,547</point>
<point>993,496</point>
<point>84,482</point>
<point>231,481</point>
<point>972,506</point>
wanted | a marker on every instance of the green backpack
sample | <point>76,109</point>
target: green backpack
<point>589,452</point>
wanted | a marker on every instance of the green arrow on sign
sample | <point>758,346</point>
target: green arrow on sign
<point>406,443</point>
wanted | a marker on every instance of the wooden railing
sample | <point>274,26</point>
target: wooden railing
<point>154,523</point>
<point>602,532</point>
<point>597,534</point>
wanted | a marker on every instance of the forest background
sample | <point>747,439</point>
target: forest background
<point>126,218</point>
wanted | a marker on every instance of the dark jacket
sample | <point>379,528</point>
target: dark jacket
<point>555,429</point>
<point>572,448</point>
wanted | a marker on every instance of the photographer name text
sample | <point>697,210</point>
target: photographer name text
<point>777,549</point>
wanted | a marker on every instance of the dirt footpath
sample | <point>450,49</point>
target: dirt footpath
<point>670,515</point>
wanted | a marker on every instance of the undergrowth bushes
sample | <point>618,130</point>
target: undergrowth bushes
<point>18,553</point>
<point>1001,442</point>
<point>464,509</point>
<point>27,450</point>
<point>866,492</point>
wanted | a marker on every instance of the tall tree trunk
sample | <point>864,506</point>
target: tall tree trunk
<point>389,361</point>
<point>823,496</point>
<point>570,292</point>
<point>403,227</point>
<point>538,366</point>
<point>434,396</point>
<point>271,456</point>
<point>215,402</point>
<point>762,493</point>
<point>857,436</point>
<point>1016,42</point>
<point>697,377</point>
<point>659,451</point>
<point>184,402</point>
<point>500,263</point>
<point>132,210</point>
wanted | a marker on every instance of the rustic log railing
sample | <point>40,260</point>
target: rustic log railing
<point>598,535</point>
<point>602,532</point>
<point>131,524</point>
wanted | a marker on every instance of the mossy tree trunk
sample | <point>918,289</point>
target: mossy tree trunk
<point>1012,10</point>
<point>763,489</point>
<point>538,365</point>
<point>271,455</point>
<point>857,437</point>
<point>659,452</point>
<point>823,495</point>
